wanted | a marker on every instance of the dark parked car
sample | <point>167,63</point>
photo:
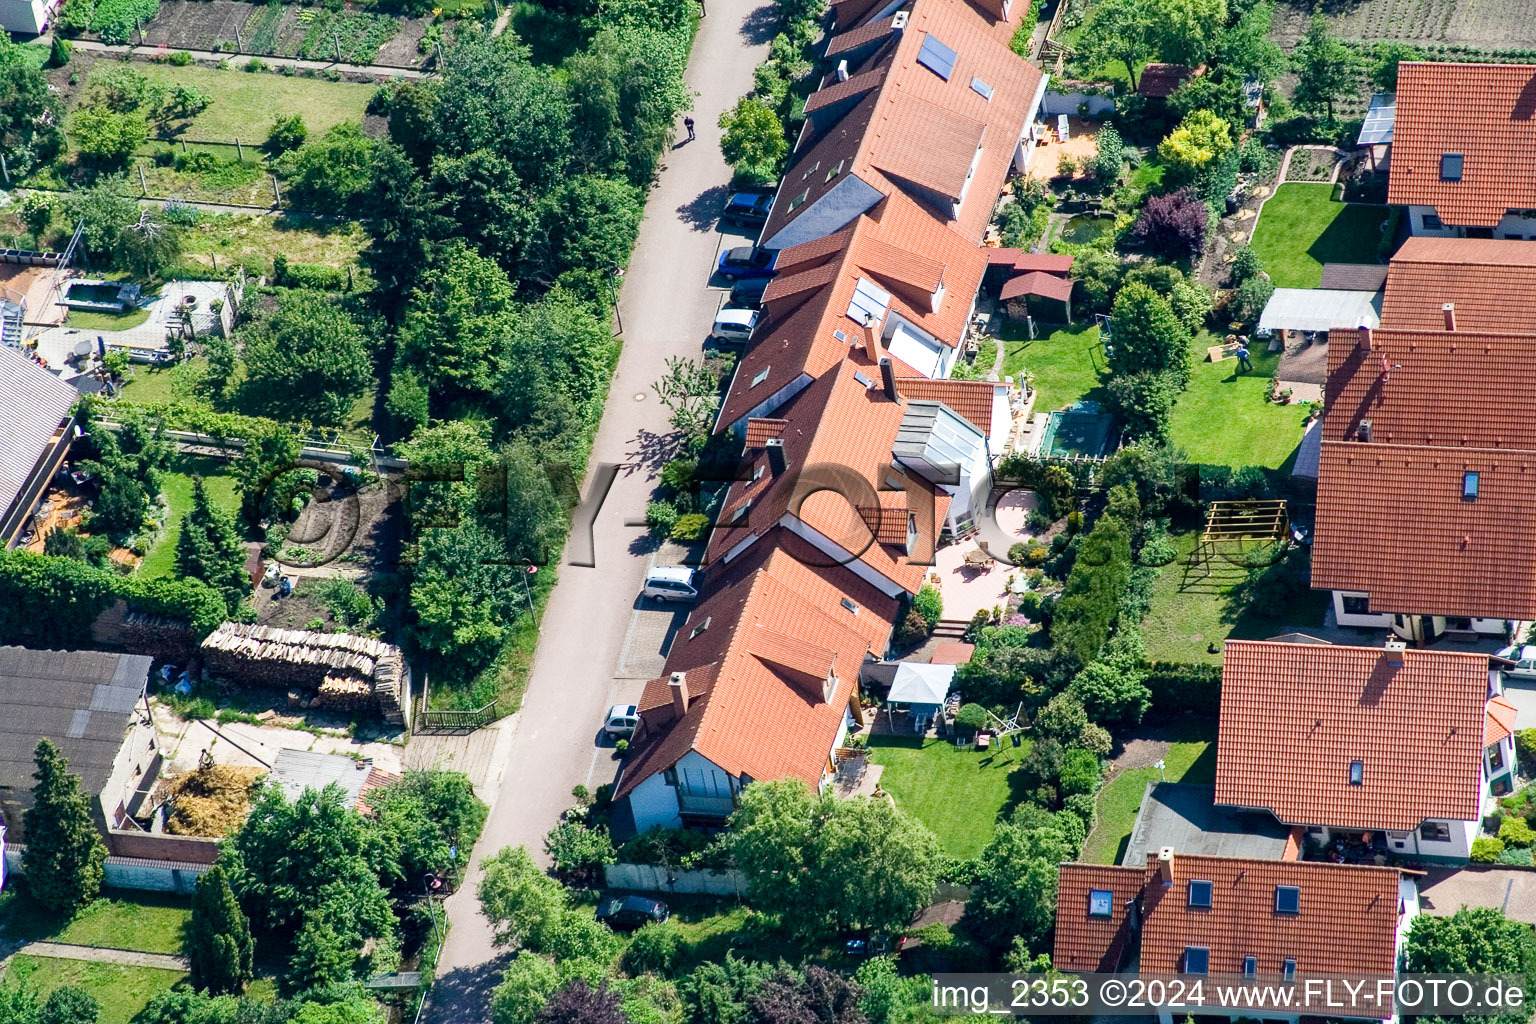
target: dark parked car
<point>626,913</point>
<point>746,261</point>
<point>748,294</point>
<point>749,209</point>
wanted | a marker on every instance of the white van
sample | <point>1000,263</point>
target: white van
<point>734,326</point>
<point>670,583</point>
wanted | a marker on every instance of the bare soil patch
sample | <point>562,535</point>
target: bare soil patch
<point>1489,24</point>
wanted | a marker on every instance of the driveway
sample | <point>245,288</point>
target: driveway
<point>1521,696</point>
<point>1510,890</point>
<point>667,310</point>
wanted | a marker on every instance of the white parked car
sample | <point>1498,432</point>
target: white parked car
<point>622,721</point>
<point>670,583</point>
<point>734,326</point>
<point>1524,658</point>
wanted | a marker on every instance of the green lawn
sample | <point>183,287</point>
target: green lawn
<point>1066,363</point>
<point>147,922</point>
<point>176,483</point>
<point>1191,611</point>
<point>1301,227</point>
<point>245,104</point>
<point>1191,758</point>
<point>88,320</point>
<point>958,793</point>
<point>1224,417</point>
<point>122,991</point>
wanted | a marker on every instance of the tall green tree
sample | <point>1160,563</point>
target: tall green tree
<point>521,901</point>
<point>219,944</point>
<point>1015,892</point>
<point>330,173</point>
<point>456,325</point>
<point>1123,31</point>
<point>64,853</point>
<point>1244,48</point>
<point>1473,940</point>
<point>1325,69</point>
<point>270,455</point>
<point>842,863</point>
<point>752,139</point>
<point>1385,61</point>
<point>308,358</point>
<point>210,550</point>
<point>107,136</point>
<point>1147,334</point>
<point>30,115</point>
<point>69,1004</point>
<point>627,89</point>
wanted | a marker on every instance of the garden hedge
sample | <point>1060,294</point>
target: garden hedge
<point>1179,687</point>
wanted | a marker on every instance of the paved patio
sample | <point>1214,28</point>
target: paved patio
<point>969,589</point>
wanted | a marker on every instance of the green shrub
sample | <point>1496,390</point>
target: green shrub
<point>1080,773</point>
<point>59,51</point>
<point>180,59</point>
<point>661,516</point>
<point>1525,751</point>
<point>1515,832</point>
<point>971,717</point>
<point>1516,857</point>
<point>929,604</point>
<point>1178,687</point>
<point>1486,849</point>
<point>654,949</point>
<point>690,527</point>
<point>316,276</point>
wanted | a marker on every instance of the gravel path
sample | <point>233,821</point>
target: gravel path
<point>127,957</point>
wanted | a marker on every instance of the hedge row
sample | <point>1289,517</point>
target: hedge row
<point>1177,687</point>
<point>52,601</point>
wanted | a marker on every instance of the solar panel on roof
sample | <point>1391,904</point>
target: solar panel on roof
<point>936,57</point>
<point>1379,120</point>
<point>867,301</point>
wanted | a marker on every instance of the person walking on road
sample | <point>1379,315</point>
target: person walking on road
<point>688,123</point>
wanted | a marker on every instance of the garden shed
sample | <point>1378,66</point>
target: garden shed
<point>922,689</point>
<point>1041,295</point>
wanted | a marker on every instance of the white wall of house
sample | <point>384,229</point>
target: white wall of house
<point>1516,224</point>
<point>657,803</point>
<point>27,17</point>
<point>1027,141</point>
<point>1438,839</point>
<point>1356,618</point>
<point>1513,225</point>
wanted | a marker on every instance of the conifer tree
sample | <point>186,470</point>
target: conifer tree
<point>210,550</point>
<point>219,947</point>
<point>64,854</point>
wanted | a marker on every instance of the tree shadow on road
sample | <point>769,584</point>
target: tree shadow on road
<point>650,451</point>
<point>464,994</point>
<point>701,212</point>
<point>761,25</point>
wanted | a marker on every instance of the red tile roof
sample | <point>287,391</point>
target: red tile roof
<point>930,145</point>
<point>761,667</point>
<point>852,39</point>
<point>1391,519</point>
<point>1490,281</point>
<point>1391,522</point>
<point>1294,718</point>
<point>1354,277</point>
<point>1045,285</point>
<point>971,399</point>
<point>1437,388</point>
<point>1347,923</point>
<point>1500,721</point>
<point>855,85</point>
<point>1024,262</point>
<point>1484,112</point>
<point>837,421</point>
<point>761,430</point>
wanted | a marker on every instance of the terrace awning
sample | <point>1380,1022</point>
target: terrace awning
<point>920,684</point>
<point>1319,309</point>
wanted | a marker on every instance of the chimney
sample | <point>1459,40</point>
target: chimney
<point>872,339</point>
<point>842,71</point>
<point>776,460</point>
<point>1165,866</point>
<point>888,379</point>
<point>1449,309</point>
<point>678,684</point>
<point>1365,337</point>
<point>1364,431</point>
<point>1397,653</point>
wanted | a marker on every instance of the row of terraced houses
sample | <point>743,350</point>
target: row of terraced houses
<point>1426,521</point>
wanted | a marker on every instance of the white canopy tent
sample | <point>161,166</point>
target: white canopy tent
<point>923,688</point>
<point>1319,309</point>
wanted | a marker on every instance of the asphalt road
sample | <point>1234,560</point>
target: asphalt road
<point>666,309</point>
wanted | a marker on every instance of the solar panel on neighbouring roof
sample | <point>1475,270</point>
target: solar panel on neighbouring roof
<point>936,57</point>
<point>1379,120</point>
<point>867,301</point>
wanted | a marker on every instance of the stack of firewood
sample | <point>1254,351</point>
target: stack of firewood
<point>341,670</point>
<point>157,635</point>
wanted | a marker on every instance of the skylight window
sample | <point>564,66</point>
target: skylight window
<point>1287,899</point>
<point>981,88</point>
<point>850,606</point>
<point>1290,969</point>
<point>936,57</point>
<point>761,376</point>
<point>1250,966</point>
<point>835,170</point>
<point>1197,959</point>
<point>1450,166</point>
<point>868,301</point>
<point>1469,483</point>
<point>795,202</point>
<point>1356,773</point>
<point>1200,893</point>
<point>1101,903</point>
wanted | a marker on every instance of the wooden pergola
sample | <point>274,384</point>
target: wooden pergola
<point>1233,526</point>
